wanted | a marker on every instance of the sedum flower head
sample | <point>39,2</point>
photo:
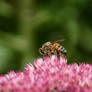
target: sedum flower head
<point>49,75</point>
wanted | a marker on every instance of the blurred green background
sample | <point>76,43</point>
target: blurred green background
<point>26,24</point>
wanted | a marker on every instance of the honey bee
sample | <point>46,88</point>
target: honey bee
<point>53,48</point>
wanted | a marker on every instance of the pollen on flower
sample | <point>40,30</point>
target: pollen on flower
<point>49,74</point>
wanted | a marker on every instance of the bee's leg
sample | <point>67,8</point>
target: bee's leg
<point>58,54</point>
<point>52,53</point>
<point>47,54</point>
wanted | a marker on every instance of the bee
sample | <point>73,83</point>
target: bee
<point>53,48</point>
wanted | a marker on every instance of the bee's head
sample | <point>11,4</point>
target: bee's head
<point>46,44</point>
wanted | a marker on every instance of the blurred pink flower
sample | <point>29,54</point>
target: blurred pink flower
<point>49,75</point>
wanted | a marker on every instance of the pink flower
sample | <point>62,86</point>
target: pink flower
<point>49,75</point>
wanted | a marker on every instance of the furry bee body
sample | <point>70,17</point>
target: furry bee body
<point>50,48</point>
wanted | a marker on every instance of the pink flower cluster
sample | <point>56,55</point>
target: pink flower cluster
<point>49,75</point>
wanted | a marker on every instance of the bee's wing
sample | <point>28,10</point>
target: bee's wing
<point>58,41</point>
